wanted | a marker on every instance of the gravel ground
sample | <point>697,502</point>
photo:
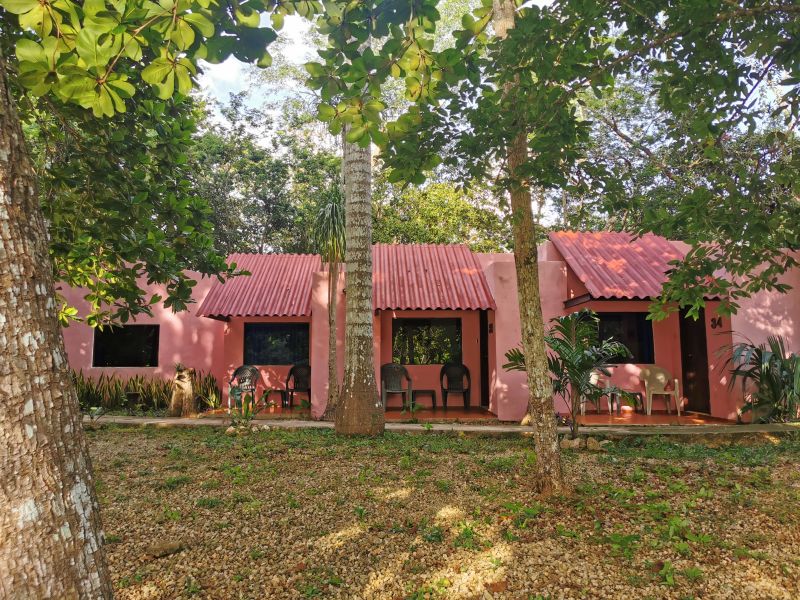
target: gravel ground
<point>281,514</point>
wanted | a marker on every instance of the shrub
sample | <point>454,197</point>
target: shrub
<point>770,379</point>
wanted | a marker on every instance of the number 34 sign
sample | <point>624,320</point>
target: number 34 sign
<point>716,322</point>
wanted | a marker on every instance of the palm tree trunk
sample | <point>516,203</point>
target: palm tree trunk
<point>360,410</point>
<point>51,540</point>
<point>540,401</point>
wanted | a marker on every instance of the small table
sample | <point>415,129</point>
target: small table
<point>431,393</point>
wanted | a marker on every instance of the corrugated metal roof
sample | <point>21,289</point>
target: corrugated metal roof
<point>279,286</point>
<point>428,276</point>
<point>617,265</point>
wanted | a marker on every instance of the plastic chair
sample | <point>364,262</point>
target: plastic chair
<point>247,379</point>
<point>596,378</point>
<point>300,376</point>
<point>455,375</point>
<point>392,376</point>
<point>655,381</point>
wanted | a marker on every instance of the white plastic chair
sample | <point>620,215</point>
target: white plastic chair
<point>595,379</point>
<point>656,380</point>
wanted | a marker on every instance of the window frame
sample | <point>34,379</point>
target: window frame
<point>254,325</point>
<point>644,337</point>
<point>154,351</point>
<point>401,322</point>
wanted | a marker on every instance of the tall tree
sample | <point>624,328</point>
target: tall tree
<point>365,42</point>
<point>51,542</point>
<point>329,237</point>
<point>549,478</point>
<point>50,532</point>
<point>359,409</point>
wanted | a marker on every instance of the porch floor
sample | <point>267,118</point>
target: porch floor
<point>454,413</point>
<point>656,418</point>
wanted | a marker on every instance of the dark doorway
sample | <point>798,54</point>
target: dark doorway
<point>694,362</point>
<point>484,350</point>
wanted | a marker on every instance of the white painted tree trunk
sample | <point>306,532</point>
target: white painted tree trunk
<point>359,410</point>
<point>51,540</point>
<point>540,401</point>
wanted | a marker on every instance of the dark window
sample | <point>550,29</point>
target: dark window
<point>275,343</point>
<point>426,341</point>
<point>632,329</point>
<point>126,346</point>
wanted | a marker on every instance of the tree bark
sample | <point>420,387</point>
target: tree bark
<point>359,410</point>
<point>51,539</point>
<point>333,361</point>
<point>540,400</point>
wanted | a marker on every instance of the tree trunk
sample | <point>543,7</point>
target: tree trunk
<point>360,410</point>
<point>333,362</point>
<point>540,401</point>
<point>51,539</point>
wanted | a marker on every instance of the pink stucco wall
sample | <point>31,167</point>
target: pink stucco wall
<point>509,389</point>
<point>183,337</point>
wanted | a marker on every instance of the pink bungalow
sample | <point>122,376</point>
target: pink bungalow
<point>437,304</point>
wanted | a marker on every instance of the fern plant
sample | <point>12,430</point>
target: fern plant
<point>770,380</point>
<point>575,353</point>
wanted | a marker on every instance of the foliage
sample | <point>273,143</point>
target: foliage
<point>577,356</point>
<point>115,191</point>
<point>262,183</point>
<point>119,206</point>
<point>206,389</point>
<point>705,65</point>
<point>137,393</point>
<point>770,379</point>
<point>329,227</point>
<point>439,213</point>
<point>245,406</point>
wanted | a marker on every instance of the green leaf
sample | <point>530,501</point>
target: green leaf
<point>201,23</point>
<point>277,20</point>
<point>28,50</point>
<point>355,134</point>
<point>182,35</point>
<point>19,7</point>
<point>247,17</point>
<point>157,71</point>
<point>326,112</point>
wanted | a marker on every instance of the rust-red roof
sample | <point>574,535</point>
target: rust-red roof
<point>279,286</point>
<point>617,265</point>
<point>428,276</point>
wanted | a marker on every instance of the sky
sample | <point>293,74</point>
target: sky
<point>231,76</point>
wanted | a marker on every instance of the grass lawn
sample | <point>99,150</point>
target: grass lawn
<point>305,514</point>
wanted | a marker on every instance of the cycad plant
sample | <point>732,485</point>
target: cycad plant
<point>575,353</point>
<point>770,379</point>
<point>329,240</point>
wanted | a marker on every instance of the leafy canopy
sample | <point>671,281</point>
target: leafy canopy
<point>705,62</point>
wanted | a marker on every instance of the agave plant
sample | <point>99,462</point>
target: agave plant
<point>576,352</point>
<point>770,379</point>
<point>206,389</point>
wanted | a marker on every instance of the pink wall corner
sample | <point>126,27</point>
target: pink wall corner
<point>770,313</point>
<point>427,376</point>
<point>319,339</point>
<point>509,389</point>
<point>183,337</point>
<point>724,400</point>
<point>273,376</point>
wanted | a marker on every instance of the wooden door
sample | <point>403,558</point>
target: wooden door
<point>694,362</point>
